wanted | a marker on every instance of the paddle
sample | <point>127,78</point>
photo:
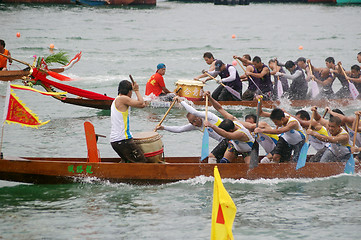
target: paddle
<point>205,139</point>
<point>131,78</point>
<point>170,107</point>
<point>353,90</point>
<point>350,164</point>
<point>303,153</point>
<point>255,147</point>
<point>229,89</point>
<point>25,63</point>
<point>249,77</point>
<point>314,86</point>
<point>279,88</point>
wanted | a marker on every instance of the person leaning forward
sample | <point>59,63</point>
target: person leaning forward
<point>120,136</point>
<point>229,77</point>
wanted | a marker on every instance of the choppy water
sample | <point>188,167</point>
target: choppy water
<point>120,41</point>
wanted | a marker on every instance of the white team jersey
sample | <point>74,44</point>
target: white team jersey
<point>120,124</point>
<point>294,136</point>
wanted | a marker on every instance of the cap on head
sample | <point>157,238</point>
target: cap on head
<point>218,65</point>
<point>160,66</point>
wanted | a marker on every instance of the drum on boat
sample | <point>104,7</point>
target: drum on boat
<point>151,144</point>
<point>192,90</point>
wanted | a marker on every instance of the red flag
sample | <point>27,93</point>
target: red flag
<point>17,112</point>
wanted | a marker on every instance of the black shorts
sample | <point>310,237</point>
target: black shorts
<point>128,151</point>
<point>285,150</point>
<point>220,149</point>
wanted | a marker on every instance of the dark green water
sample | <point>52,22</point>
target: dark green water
<point>120,41</point>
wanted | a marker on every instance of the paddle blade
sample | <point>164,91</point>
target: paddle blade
<point>254,155</point>
<point>350,166</point>
<point>303,156</point>
<point>233,92</point>
<point>279,89</point>
<point>353,90</point>
<point>314,88</point>
<point>205,144</point>
<point>59,76</point>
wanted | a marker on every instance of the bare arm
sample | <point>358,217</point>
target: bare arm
<point>342,139</point>
<point>264,72</point>
<point>219,107</point>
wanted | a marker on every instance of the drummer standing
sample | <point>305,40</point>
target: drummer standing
<point>121,138</point>
<point>156,85</point>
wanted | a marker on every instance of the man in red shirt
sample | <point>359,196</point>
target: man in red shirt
<point>156,83</point>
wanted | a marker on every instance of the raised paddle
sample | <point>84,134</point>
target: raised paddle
<point>303,153</point>
<point>353,90</point>
<point>314,87</point>
<point>131,78</point>
<point>25,63</point>
<point>350,164</point>
<point>166,113</point>
<point>255,147</point>
<point>279,88</point>
<point>205,139</point>
<point>229,89</point>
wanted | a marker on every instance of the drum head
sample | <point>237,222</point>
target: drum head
<point>145,135</point>
<point>190,83</point>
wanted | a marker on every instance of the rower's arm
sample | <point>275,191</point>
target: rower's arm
<point>220,109</point>
<point>232,75</point>
<point>288,127</point>
<point>342,139</point>
<point>179,129</point>
<point>297,74</point>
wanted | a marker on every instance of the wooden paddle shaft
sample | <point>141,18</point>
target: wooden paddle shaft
<point>344,73</point>
<point>324,114</point>
<point>310,125</point>
<point>206,108</point>
<point>355,130</point>
<point>25,63</point>
<point>161,121</point>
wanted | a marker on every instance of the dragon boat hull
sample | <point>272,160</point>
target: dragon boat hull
<point>18,74</point>
<point>69,170</point>
<point>105,104</point>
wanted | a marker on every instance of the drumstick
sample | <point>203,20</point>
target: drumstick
<point>131,78</point>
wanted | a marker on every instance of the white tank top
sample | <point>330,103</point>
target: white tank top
<point>120,124</point>
<point>267,141</point>
<point>243,146</point>
<point>315,142</point>
<point>338,149</point>
<point>351,133</point>
<point>294,136</point>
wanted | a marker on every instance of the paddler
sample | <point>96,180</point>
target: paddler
<point>324,79</point>
<point>120,136</point>
<point>4,60</point>
<point>299,86</point>
<point>155,86</point>
<point>291,135</point>
<point>336,71</point>
<point>230,77</point>
<point>273,65</point>
<point>355,77</point>
<point>339,149</point>
<point>211,61</point>
<point>304,118</point>
<point>196,122</point>
<point>267,141</point>
<point>259,79</point>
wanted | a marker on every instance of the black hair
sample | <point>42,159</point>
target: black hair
<point>301,59</point>
<point>355,67</point>
<point>208,55</point>
<point>257,59</point>
<point>336,110</point>
<point>247,56</point>
<point>124,87</point>
<point>227,125</point>
<point>289,64</point>
<point>254,117</point>
<point>303,114</point>
<point>359,53</point>
<point>277,114</point>
<point>330,60</point>
<point>2,42</point>
<point>336,120</point>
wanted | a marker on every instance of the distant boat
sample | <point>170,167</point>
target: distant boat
<point>86,2</point>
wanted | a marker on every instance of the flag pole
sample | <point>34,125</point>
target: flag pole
<point>6,106</point>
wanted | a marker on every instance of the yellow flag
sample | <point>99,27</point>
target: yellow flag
<point>223,211</point>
